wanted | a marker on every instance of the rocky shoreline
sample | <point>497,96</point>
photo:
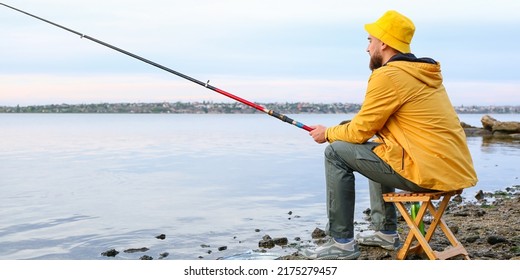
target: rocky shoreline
<point>488,228</point>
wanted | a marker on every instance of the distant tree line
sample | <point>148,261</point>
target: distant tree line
<point>207,107</point>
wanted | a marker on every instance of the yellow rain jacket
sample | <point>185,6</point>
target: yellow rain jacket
<point>406,106</point>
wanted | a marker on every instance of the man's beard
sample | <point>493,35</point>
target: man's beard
<point>376,61</point>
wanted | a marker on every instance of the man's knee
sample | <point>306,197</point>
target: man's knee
<point>329,151</point>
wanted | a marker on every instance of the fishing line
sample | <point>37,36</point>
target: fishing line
<point>204,84</point>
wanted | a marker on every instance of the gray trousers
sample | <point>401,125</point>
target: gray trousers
<point>342,159</point>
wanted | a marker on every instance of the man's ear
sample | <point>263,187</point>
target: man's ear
<point>383,46</point>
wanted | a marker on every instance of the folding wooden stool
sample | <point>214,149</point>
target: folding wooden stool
<point>423,246</point>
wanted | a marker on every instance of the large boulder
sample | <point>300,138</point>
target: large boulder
<point>507,127</point>
<point>494,125</point>
<point>488,122</point>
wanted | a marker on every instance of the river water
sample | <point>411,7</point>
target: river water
<point>74,186</point>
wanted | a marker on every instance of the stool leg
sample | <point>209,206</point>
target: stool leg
<point>401,254</point>
<point>457,249</point>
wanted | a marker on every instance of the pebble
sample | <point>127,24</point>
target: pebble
<point>161,236</point>
<point>494,239</point>
<point>479,195</point>
<point>472,239</point>
<point>163,255</point>
<point>135,250</point>
<point>318,233</point>
<point>110,253</point>
<point>281,241</point>
<point>266,244</point>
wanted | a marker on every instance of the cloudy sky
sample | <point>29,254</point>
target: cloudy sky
<point>260,50</point>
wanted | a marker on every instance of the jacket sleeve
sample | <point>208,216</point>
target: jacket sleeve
<point>381,101</point>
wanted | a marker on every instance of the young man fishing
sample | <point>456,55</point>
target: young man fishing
<point>419,143</point>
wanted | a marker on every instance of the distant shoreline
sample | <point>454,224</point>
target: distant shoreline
<point>207,107</point>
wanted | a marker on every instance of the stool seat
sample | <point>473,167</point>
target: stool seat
<point>422,245</point>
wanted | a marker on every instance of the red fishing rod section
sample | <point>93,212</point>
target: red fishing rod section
<point>206,85</point>
<point>260,108</point>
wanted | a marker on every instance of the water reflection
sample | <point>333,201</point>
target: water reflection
<point>24,227</point>
<point>501,141</point>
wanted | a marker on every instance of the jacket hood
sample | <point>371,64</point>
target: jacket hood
<point>424,69</point>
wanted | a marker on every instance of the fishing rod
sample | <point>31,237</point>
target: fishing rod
<point>204,84</point>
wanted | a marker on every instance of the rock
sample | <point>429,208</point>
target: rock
<point>281,241</point>
<point>479,195</point>
<point>494,239</point>
<point>507,127</point>
<point>490,255</point>
<point>454,229</point>
<point>461,214</point>
<point>266,244</point>
<point>457,199</point>
<point>161,236</point>
<point>318,233</point>
<point>465,125</point>
<point>146,257</point>
<point>473,131</point>
<point>134,250</point>
<point>266,237</point>
<point>498,127</point>
<point>110,253</point>
<point>480,213</point>
<point>471,239</point>
<point>488,122</point>
<point>493,128</point>
<point>163,255</point>
<point>513,189</point>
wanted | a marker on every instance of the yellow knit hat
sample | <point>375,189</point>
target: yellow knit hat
<point>393,29</point>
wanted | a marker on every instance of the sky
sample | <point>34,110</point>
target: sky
<point>260,50</point>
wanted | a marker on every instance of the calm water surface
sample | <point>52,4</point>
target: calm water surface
<point>74,186</point>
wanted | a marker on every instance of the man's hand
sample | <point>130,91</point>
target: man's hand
<point>318,133</point>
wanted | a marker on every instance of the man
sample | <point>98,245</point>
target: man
<point>420,145</point>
